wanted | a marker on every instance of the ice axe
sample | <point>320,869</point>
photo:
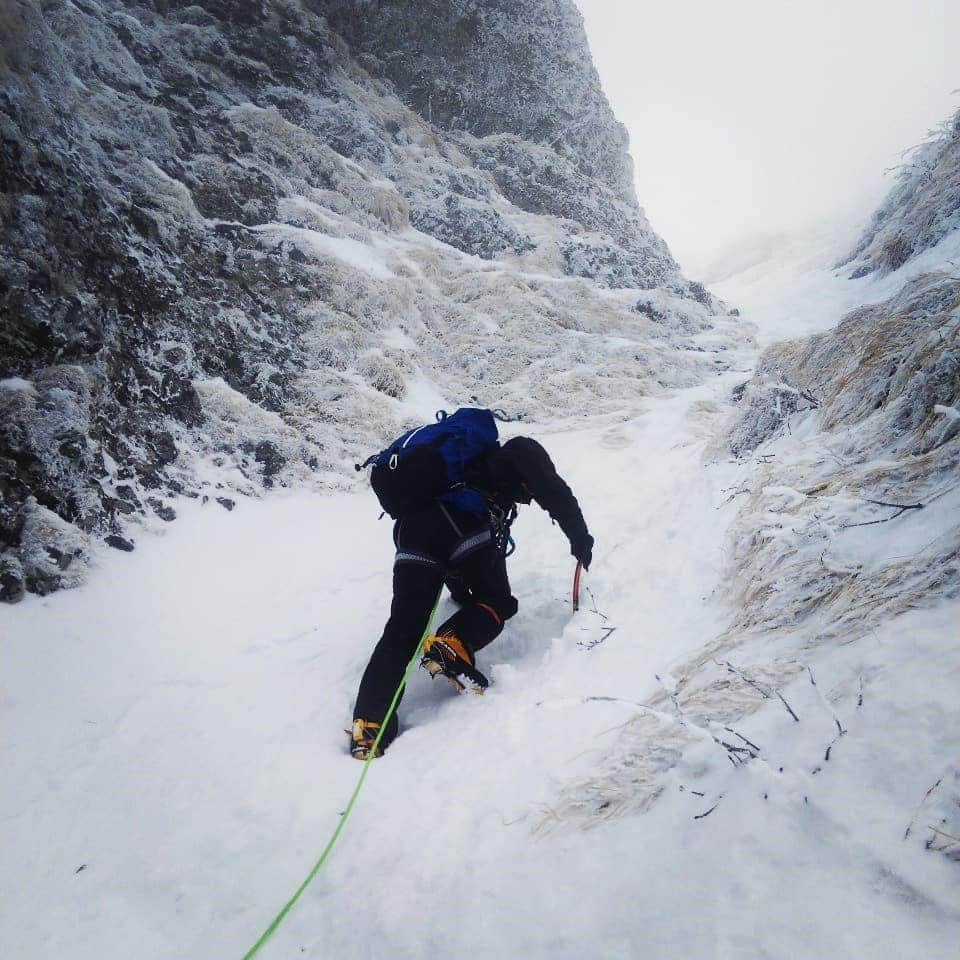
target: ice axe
<point>576,586</point>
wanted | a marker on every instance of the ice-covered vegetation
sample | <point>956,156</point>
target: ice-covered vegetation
<point>922,209</point>
<point>244,243</point>
<point>838,483</point>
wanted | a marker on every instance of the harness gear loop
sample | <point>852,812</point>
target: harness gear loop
<point>500,522</point>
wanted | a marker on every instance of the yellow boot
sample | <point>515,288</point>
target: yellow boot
<point>362,736</point>
<point>448,656</point>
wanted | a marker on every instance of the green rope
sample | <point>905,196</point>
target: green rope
<point>278,919</point>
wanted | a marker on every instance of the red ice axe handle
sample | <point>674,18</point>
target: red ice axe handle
<point>576,586</point>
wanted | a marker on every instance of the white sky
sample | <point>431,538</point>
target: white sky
<point>766,116</point>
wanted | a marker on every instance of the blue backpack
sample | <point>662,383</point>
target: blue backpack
<point>428,463</point>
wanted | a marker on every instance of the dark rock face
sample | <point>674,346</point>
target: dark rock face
<point>192,201</point>
<point>112,301</point>
<point>498,67</point>
<point>272,460</point>
<point>515,87</point>
<point>610,264</point>
<point>469,226</point>
<point>118,543</point>
<point>541,181</point>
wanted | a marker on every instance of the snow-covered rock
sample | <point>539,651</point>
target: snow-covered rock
<point>249,233</point>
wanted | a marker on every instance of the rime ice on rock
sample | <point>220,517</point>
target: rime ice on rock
<point>245,234</point>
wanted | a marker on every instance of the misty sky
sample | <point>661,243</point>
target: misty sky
<point>756,116</point>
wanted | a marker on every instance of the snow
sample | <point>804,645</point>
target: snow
<point>17,385</point>
<point>174,759</point>
<point>799,291</point>
<point>647,777</point>
<point>709,759</point>
<point>352,252</point>
<point>422,399</point>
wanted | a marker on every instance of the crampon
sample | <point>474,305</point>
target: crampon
<point>362,736</point>
<point>447,656</point>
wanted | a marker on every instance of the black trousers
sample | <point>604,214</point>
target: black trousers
<point>439,543</point>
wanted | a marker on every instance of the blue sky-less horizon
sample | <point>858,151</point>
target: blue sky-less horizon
<point>766,117</point>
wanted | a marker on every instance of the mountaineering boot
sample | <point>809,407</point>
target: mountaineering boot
<point>447,656</point>
<point>364,733</point>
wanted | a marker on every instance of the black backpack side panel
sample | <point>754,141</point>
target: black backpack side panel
<point>413,483</point>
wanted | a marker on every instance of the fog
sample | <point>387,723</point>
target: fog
<point>768,117</point>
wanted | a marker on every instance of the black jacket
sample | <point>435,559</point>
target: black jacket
<point>521,471</point>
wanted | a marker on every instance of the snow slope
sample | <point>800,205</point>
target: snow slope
<point>799,290</point>
<point>174,761</point>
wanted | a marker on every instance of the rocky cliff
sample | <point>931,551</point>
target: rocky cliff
<point>243,243</point>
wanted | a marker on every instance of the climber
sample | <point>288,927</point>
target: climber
<point>460,540</point>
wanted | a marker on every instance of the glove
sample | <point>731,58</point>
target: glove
<point>583,551</point>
